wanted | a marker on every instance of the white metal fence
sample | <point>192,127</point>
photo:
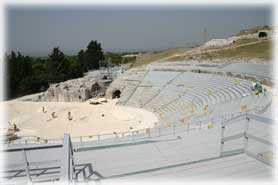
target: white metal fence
<point>132,135</point>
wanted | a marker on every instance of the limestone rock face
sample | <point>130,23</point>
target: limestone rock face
<point>76,90</point>
<point>230,40</point>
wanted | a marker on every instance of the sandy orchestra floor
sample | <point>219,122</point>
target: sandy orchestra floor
<point>87,119</point>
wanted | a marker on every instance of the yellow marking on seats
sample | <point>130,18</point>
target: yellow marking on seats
<point>210,92</point>
<point>210,125</point>
<point>244,107</point>
<point>237,82</point>
<point>182,121</point>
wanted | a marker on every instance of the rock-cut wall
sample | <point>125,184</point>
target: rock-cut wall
<point>76,90</point>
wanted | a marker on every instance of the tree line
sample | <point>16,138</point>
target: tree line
<point>27,75</point>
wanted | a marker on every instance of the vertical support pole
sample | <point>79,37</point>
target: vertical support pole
<point>188,125</point>
<point>67,166</point>
<point>80,139</point>
<point>245,132</point>
<point>221,139</point>
<point>26,163</point>
<point>98,139</point>
<point>174,129</point>
<point>116,137</point>
<point>159,131</point>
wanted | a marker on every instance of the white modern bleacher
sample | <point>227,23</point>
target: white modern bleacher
<point>176,154</point>
<point>173,95</point>
<point>262,70</point>
<point>162,99</point>
<point>141,96</point>
<point>196,87</point>
<point>128,82</point>
<point>159,78</point>
<point>128,89</point>
<point>224,91</point>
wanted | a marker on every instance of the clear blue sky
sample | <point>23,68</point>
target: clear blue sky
<point>36,30</point>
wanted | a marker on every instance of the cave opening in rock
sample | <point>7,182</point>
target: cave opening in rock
<point>116,94</point>
<point>262,34</point>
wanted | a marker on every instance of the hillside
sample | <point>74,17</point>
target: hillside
<point>242,48</point>
<point>253,30</point>
<point>151,57</point>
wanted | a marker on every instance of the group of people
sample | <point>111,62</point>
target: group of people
<point>53,114</point>
<point>12,126</point>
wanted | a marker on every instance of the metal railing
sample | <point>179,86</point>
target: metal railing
<point>64,168</point>
<point>117,137</point>
<point>68,170</point>
<point>246,136</point>
<point>172,128</point>
<point>67,163</point>
<point>132,135</point>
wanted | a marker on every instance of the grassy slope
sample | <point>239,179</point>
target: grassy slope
<point>253,30</point>
<point>262,50</point>
<point>158,56</point>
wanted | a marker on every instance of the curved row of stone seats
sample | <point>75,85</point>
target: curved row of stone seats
<point>159,78</point>
<point>211,81</point>
<point>252,102</point>
<point>261,70</point>
<point>133,77</point>
<point>169,108</point>
<point>176,105</point>
<point>149,93</point>
<point>201,97</point>
<point>192,78</point>
<point>179,102</point>
<point>238,86</point>
<point>168,97</point>
<point>226,94</point>
<point>161,99</point>
<point>128,82</point>
<point>215,111</point>
<point>128,89</point>
<point>263,100</point>
<point>233,91</point>
<point>235,88</point>
<point>141,96</point>
<point>155,81</point>
<point>198,93</point>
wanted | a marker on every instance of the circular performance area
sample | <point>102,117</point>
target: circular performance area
<point>50,120</point>
<point>157,95</point>
<point>182,116</point>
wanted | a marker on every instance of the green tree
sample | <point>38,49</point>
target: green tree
<point>57,66</point>
<point>75,69</point>
<point>81,58</point>
<point>115,58</point>
<point>18,68</point>
<point>94,54</point>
